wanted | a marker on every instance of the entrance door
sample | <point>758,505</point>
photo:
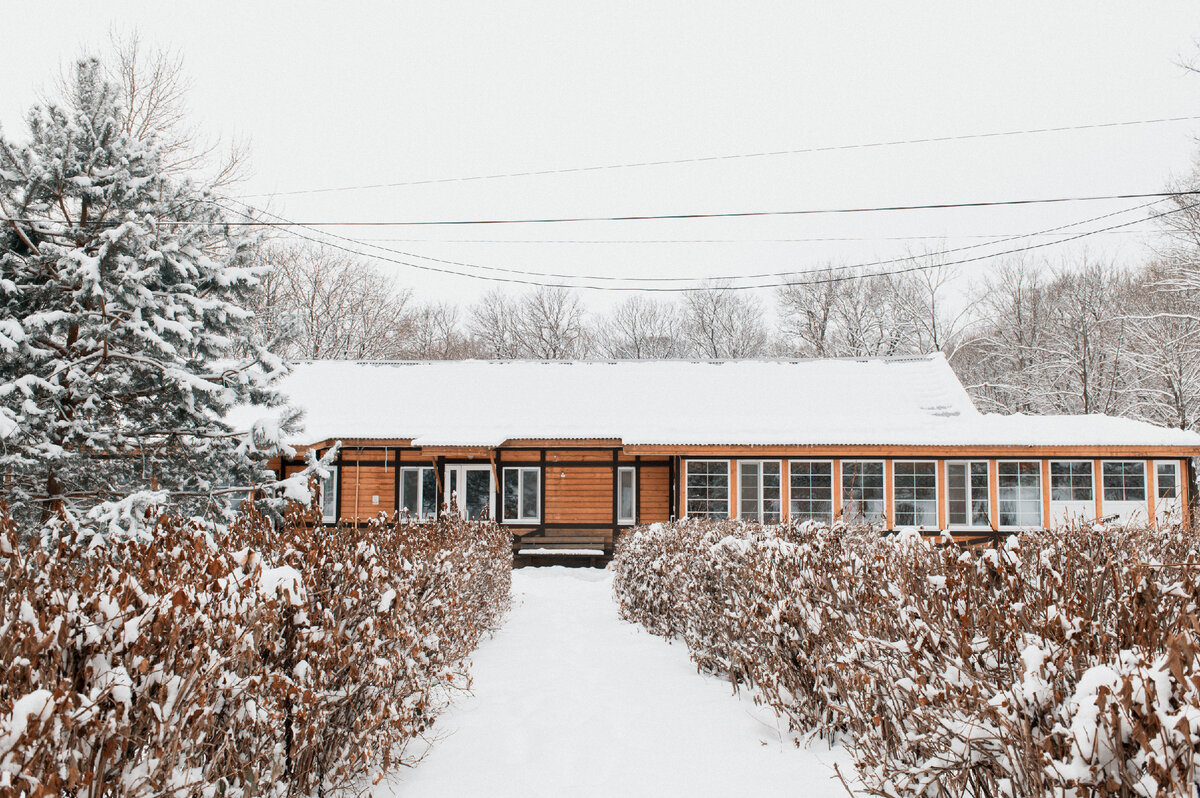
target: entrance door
<point>469,491</point>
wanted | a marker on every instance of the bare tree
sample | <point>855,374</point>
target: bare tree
<point>640,328</point>
<point>721,322</point>
<point>849,314</point>
<point>154,91</point>
<point>436,334</point>
<point>545,324</point>
<point>325,304</point>
<point>493,324</point>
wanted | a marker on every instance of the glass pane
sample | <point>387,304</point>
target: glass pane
<point>409,491</point>
<point>748,490</point>
<point>956,486</point>
<point>625,497</point>
<point>1166,481</point>
<point>478,489</point>
<point>429,497</point>
<point>329,495</point>
<point>529,493</point>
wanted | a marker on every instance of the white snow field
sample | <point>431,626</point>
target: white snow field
<point>569,700</point>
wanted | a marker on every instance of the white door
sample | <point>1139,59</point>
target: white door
<point>469,491</point>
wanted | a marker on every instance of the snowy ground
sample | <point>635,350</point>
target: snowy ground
<point>571,701</point>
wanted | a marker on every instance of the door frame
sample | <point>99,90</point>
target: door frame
<point>458,503</point>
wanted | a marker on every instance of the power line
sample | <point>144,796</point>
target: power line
<point>815,239</point>
<point>732,157</point>
<point>669,216</point>
<point>691,289</point>
<point>607,278</point>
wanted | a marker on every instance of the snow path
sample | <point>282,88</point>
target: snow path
<point>569,700</point>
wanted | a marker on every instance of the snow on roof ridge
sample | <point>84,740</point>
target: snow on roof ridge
<point>920,358</point>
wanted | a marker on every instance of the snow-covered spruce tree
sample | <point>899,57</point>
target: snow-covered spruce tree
<point>122,293</point>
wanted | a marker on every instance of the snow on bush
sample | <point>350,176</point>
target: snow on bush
<point>269,662</point>
<point>1060,663</point>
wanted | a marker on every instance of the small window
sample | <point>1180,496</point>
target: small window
<point>707,485</point>
<point>967,494</point>
<point>760,490</point>
<point>1019,490</point>
<point>626,495</point>
<point>522,488</point>
<point>1168,480</point>
<point>862,491</point>
<point>418,493</point>
<point>1125,481</point>
<point>915,491</point>
<point>328,488</point>
<point>810,491</point>
<point>1071,481</point>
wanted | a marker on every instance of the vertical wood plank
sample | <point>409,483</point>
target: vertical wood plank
<point>888,494</point>
<point>836,487</point>
<point>1097,486</point>
<point>994,495</point>
<point>1151,492</point>
<point>1046,493</point>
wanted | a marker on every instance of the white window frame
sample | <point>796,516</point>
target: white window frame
<point>1178,491</point>
<point>1145,487</point>
<point>522,473</point>
<point>627,520</point>
<point>1041,492</point>
<point>970,495</point>
<point>841,481</point>
<point>834,487</point>
<point>419,516</point>
<point>936,493</point>
<point>334,481</point>
<point>761,501</point>
<point>687,465</point>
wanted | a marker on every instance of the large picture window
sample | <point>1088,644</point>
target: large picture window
<point>967,494</point>
<point>418,493</point>
<point>862,490</point>
<point>760,491</point>
<point>707,485</point>
<point>1124,481</point>
<point>626,495</point>
<point>810,490</point>
<point>1020,493</point>
<point>522,494</point>
<point>915,491</point>
<point>1071,481</point>
<point>329,488</point>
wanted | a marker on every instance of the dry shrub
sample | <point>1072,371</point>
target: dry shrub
<point>1058,662</point>
<point>268,662</point>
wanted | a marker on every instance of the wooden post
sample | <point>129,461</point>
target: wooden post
<point>1151,492</point>
<point>1045,494</point>
<point>943,493</point>
<point>835,472</point>
<point>889,498</point>
<point>733,487</point>
<point>1098,486</point>
<point>994,495</point>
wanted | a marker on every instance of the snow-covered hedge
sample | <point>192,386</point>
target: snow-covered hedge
<point>263,663</point>
<point>1059,661</point>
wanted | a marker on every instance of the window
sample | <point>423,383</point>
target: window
<point>329,488</point>
<point>915,491</point>
<point>418,493</point>
<point>708,488</point>
<point>1125,481</point>
<point>1020,492</point>
<point>522,487</point>
<point>626,495</point>
<point>1168,480</point>
<point>1071,481</point>
<point>967,493</point>
<point>810,491</point>
<point>761,491</point>
<point>862,490</point>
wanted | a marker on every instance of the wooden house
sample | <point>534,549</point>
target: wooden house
<point>569,454</point>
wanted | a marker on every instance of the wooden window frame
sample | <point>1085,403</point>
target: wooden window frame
<point>629,520</point>
<point>987,495</point>
<point>761,499</point>
<point>937,492</point>
<point>1041,489</point>
<point>687,465</point>
<point>521,519</point>
<point>883,476</point>
<point>834,488</point>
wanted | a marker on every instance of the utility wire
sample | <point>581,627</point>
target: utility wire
<point>691,289</point>
<point>608,278</point>
<point>668,216</point>
<point>944,237</point>
<point>736,156</point>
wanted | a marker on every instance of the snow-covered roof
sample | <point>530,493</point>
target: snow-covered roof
<point>906,401</point>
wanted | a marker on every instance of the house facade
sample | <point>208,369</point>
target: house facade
<point>567,455</point>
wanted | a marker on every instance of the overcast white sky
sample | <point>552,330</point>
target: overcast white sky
<point>387,92</point>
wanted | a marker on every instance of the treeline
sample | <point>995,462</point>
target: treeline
<point>1024,336</point>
